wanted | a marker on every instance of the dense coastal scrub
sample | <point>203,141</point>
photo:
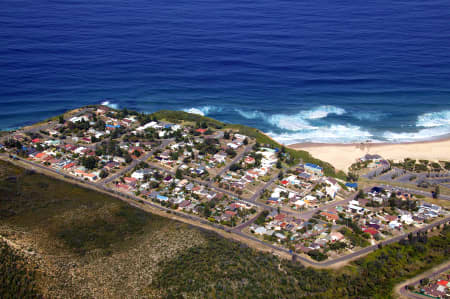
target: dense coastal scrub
<point>223,269</point>
<point>83,243</point>
<point>17,277</point>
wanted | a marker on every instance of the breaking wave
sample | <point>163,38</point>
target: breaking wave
<point>205,110</point>
<point>433,124</point>
<point>330,134</point>
<point>110,105</point>
<point>321,112</point>
<point>424,134</point>
<point>434,119</point>
<point>301,120</point>
<point>293,122</point>
<point>251,114</point>
<point>310,125</point>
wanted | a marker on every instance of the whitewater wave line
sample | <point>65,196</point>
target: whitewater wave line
<point>299,127</point>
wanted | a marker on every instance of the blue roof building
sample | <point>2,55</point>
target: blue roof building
<point>313,168</point>
<point>162,197</point>
<point>352,185</point>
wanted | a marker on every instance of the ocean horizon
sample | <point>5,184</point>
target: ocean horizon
<point>301,72</point>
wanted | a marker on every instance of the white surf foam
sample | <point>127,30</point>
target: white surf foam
<point>251,114</point>
<point>195,111</point>
<point>424,134</point>
<point>205,110</point>
<point>369,116</point>
<point>301,120</point>
<point>330,134</point>
<point>110,105</point>
<point>293,122</point>
<point>322,112</point>
<point>434,119</point>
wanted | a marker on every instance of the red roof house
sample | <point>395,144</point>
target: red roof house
<point>371,231</point>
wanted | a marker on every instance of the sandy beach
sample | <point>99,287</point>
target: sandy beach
<point>342,156</point>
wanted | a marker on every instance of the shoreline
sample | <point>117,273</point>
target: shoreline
<point>434,139</point>
<point>342,155</point>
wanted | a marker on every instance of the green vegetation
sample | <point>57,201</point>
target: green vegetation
<point>356,238</point>
<point>179,116</point>
<point>92,220</point>
<point>224,269</point>
<point>421,165</point>
<point>262,218</point>
<point>108,243</point>
<point>17,279</point>
<point>317,255</point>
<point>102,232</point>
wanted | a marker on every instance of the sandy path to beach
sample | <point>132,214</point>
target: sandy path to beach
<point>342,156</point>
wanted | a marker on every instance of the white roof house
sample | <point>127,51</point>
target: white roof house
<point>79,118</point>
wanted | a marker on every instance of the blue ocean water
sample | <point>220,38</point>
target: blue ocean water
<point>324,71</point>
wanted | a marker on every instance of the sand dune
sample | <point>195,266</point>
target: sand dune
<point>342,156</point>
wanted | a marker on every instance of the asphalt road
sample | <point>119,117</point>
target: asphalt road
<point>133,164</point>
<point>415,191</point>
<point>235,160</point>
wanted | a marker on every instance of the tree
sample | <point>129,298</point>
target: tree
<point>353,177</point>
<point>103,174</point>
<point>245,141</point>
<point>436,192</point>
<point>89,162</point>
<point>231,152</point>
<point>234,167</point>
<point>279,165</point>
<point>280,175</point>
<point>179,174</point>
<point>361,194</point>
<point>61,119</point>
<point>128,158</point>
